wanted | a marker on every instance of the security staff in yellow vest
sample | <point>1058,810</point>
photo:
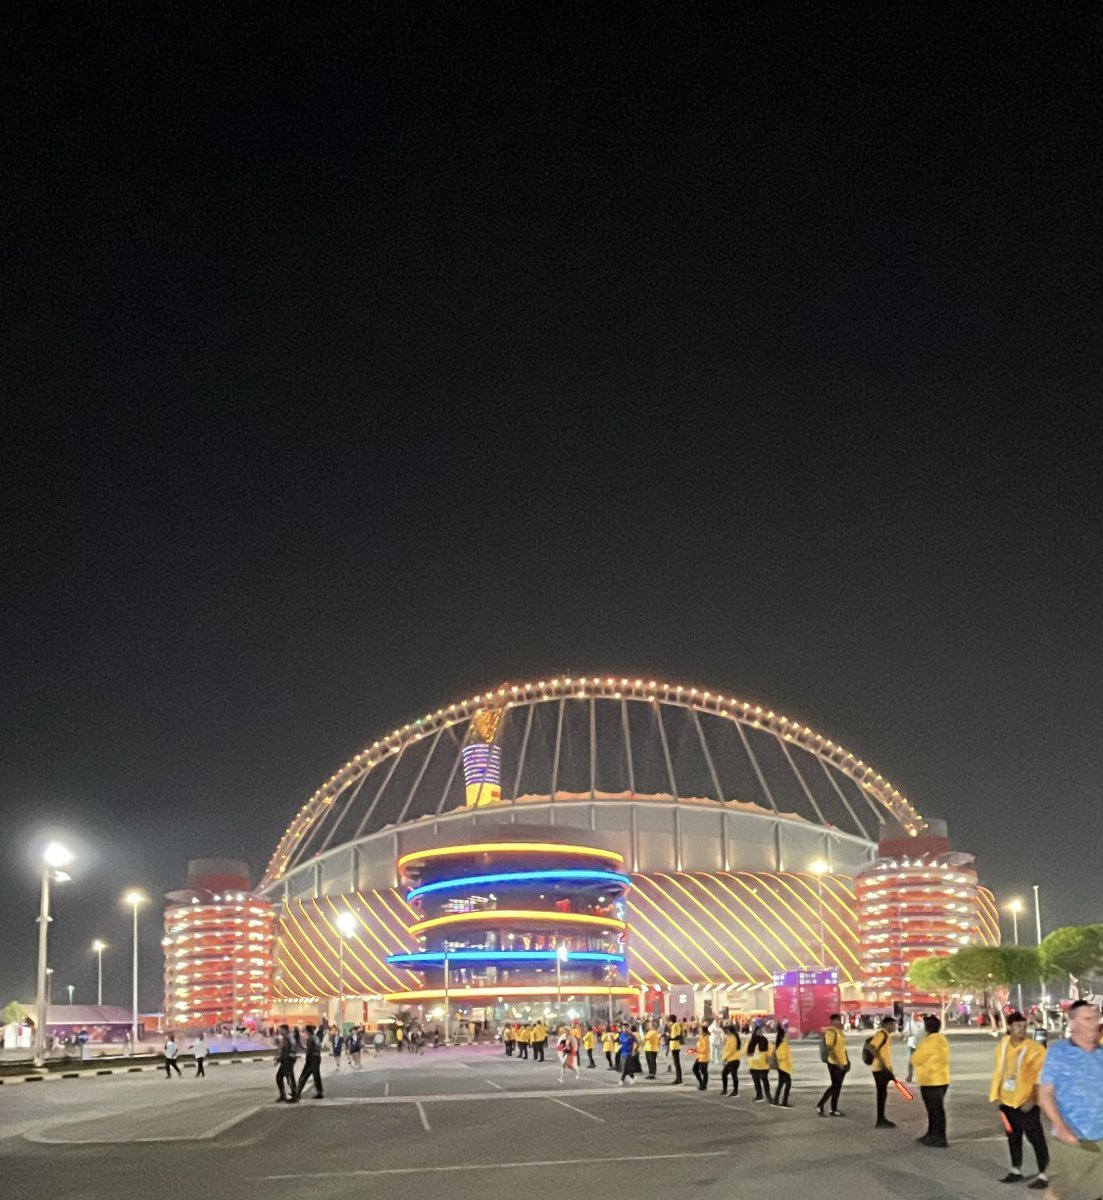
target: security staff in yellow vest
<point>733,1052</point>
<point>539,1041</point>
<point>931,1061</point>
<point>677,1033</point>
<point>651,1049</point>
<point>524,1037</point>
<point>589,1040</point>
<point>880,1046</point>
<point>783,1062</point>
<point>834,1054</point>
<point>1019,1061</point>
<point>609,1046</point>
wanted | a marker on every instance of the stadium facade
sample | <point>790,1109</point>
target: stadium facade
<point>752,846</point>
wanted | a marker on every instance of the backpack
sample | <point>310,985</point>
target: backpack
<point>825,1049</point>
<point>870,1052</point>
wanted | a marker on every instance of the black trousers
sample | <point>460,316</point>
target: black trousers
<point>590,1056</point>
<point>199,1068</point>
<point>285,1072</point>
<point>522,1049</point>
<point>761,1083</point>
<point>677,1056</point>
<point>784,1083</point>
<point>509,1049</point>
<point>934,1100</point>
<point>538,1051</point>
<point>171,1065</point>
<point>837,1074</point>
<point>701,1071</point>
<point>1028,1124</point>
<point>881,1081</point>
<point>652,1057</point>
<point>311,1071</point>
<point>609,1059</point>
<point>731,1071</point>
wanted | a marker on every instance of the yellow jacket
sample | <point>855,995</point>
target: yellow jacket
<point>651,1041</point>
<point>760,1060</point>
<point>784,1055</point>
<point>836,1046</point>
<point>733,1051</point>
<point>588,1040</point>
<point>704,1047</point>
<point>1019,1067</point>
<point>608,1042</point>
<point>539,1033</point>
<point>524,1035</point>
<point>881,1045</point>
<point>676,1033</point>
<point>931,1061</point>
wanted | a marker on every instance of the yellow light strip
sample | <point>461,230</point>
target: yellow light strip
<point>747,908</point>
<point>842,924</point>
<point>515,914</point>
<point>281,962</point>
<point>352,976</point>
<point>635,911</point>
<point>634,953</point>
<point>486,992</point>
<point>360,942</point>
<point>761,881</point>
<point>716,900</point>
<point>379,904</point>
<point>512,848</point>
<point>689,937</point>
<point>306,962</point>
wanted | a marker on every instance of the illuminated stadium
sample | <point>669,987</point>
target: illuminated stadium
<point>604,839</point>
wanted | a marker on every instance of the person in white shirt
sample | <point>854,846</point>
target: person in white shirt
<point>716,1042</point>
<point>916,1033</point>
<point>200,1049</point>
<point>171,1051</point>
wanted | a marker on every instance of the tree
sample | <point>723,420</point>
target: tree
<point>994,971</point>
<point>1075,950</point>
<point>12,1014</point>
<point>936,976</point>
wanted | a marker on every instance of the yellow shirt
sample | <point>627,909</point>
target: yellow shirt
<point>931,1061</point>
<point>576,1031</point>
<point>588,1040</point>
<point>524,1035</point>
<point>704,1047</point>
<point>836,1046</point>
<point>651,1041</point>
<point>1017,1071</point>
<point>881,1045</point>
<point>539,1033</point>
<point>733,1051</point>
<point>760,1060</point>
<point>784,1055</point>
<point>676,1036</point>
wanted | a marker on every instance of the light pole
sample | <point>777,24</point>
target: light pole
<point>135,899</point>
<point>1014,907</point>
<point>99,947</point>
<point>346,927</point>
<point>447,999</point>
<point>818,867</point>
<point>69,989</point>
<point>560,959</point>
<point>1038,935</point>
<point>54,857</point>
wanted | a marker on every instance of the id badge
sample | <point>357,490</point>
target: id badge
<point>1010,1083</point>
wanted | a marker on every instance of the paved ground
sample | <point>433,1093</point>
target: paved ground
<point>473,1124</point>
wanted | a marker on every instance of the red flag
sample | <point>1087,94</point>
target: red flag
<point>902,1090</point>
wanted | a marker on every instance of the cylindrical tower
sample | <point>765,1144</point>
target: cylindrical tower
<point>517,916</point>
<point>218,949</point>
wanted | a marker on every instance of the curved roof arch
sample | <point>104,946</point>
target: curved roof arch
<point>599,737</point>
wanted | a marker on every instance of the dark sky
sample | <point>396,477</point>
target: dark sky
<point>351,366</point>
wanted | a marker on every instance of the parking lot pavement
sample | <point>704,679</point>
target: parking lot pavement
<point>480,1125</point>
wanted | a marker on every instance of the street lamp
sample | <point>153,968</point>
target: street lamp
<point>560,959</point>
<point>346,927</point>
<point>1038,935</point>
<point>69,989</point>
<point>818,868</point>
<point>54,857</point>
<point>98,948</point>
<point>1014,907</point>
<point>135,899</point>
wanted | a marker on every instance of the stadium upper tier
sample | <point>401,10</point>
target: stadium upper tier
<point>678,777</point>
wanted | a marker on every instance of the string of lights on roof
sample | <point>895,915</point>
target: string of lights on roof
<point>583,688</point>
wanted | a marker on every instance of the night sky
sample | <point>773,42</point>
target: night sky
<point>352,366</point>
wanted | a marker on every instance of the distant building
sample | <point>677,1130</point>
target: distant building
<point>218,949</point>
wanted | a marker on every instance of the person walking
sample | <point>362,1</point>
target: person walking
<point>378,1042</point>
<point>589,1040</point>
<point>702,1054</point>
<point>312,1063</point>
<point>783,1064</point>
<point>1070,1091</point>
<point>833,1053</point>
<point>916,1033</point>
<point>677,1033</point>
<point>200,1049</point>
<point>566,1049</point>
<point>932,1072</point>
<point>651,1049</point>
<point>171,1051</point>
<point>733,1052</point>
<point>877,1053</point>
<point>609,1046</point>
<point>629,1047</point>
<point>1019,1061</point>
<point>285,1067</point>
<point>758,1062</point>
<point>716,1042</point>
<point>336,1045</point>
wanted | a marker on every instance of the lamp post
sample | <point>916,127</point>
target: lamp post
<point>346,927</point>
<point>135,899</point>
<point>560,959</point>
<point>69,989</point>
<point>54,857</point>
<point>447,999</point>
<point>1014,907</point>
<point>818,867</point>
<point>1038,935</point>
<point>99,947</point>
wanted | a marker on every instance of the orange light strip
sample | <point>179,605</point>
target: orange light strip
<point>517,914</point>
<point>512,848</point>
<point>486,992</point>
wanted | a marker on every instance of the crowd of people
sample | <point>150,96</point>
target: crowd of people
<point>1063,1082</point>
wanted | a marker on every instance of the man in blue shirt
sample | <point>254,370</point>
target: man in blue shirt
<point>1070,1092</point>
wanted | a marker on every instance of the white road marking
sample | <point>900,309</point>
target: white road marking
<point>551,1162</point>
<point>123,1137</point>
<point>387,1088</point>
<point>424,1119</point>
<point>494,1085</point>
<point>600,1120</point>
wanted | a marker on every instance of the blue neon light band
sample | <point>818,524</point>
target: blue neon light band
<point>435,958</point>
<point>566,875</point>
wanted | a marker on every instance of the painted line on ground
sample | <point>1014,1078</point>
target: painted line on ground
<point>494,1085</point>
<point>498,1166</point>
<point>123,1138</point>
<point>600,1120</point>
<point>424,1119</point>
